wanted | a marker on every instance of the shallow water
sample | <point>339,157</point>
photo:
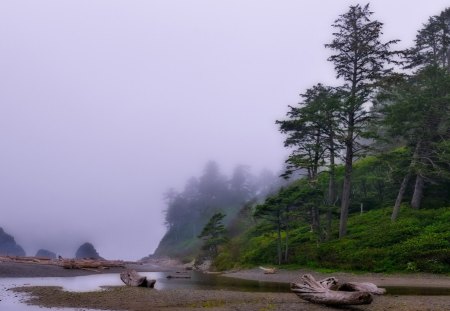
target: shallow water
<point>10,300</point>
<point>417,291</point>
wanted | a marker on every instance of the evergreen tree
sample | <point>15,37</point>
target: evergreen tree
<point>432,43</point>
<point>272,211</point>
<point>416,110</point>
<point>313,132</point>
<point>418,113</point>
<point>360,61</point>
<point>213,234</point>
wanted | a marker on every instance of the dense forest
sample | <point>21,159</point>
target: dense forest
<point>368,173</point>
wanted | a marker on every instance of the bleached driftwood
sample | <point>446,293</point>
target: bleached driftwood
<point>319,292</point>
<point>89,264</point>
<point>361,287</point>
<point>132,278</point>
<point>268,270</point>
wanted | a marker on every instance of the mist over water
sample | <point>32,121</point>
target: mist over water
<point>105,105</point>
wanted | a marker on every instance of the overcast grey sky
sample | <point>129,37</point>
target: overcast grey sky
<point>106,104</point>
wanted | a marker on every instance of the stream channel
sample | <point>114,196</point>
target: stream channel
<point>11,301</point>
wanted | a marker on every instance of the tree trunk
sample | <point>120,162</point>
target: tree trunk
<point>286,250</point>
<point>400,194</point>
<point>345,201</point>
<point>279,240</point>
<point>418,193</point>
<point>331,192</point>
<point>405,182</point>
<point>316,222</point>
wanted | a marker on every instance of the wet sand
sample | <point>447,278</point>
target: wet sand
<point>127,298</point>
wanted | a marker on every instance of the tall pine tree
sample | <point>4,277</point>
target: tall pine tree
<point>360,60</point>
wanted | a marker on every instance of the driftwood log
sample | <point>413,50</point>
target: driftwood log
<point>132,278</point>
<point>320,292</point>
<point>268,270</point>
<point>361,287</point>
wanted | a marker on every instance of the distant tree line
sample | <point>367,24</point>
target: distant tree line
<point>188,211</point>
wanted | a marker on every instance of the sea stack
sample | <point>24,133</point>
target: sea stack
<point>45,254</point>
<point>87,251</point>
<point>8,246</point>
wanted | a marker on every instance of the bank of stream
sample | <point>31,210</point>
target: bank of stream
<point>197,283</point>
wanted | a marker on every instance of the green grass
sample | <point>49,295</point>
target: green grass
<point>419,241</point>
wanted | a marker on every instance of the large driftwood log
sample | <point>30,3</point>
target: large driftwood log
<point>319,292</point>
<point>132,278</point>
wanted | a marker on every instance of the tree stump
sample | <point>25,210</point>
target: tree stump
<point>319,292</point>
<point>132,278</point>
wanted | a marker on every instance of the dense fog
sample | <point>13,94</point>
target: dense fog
<point>105,105</point>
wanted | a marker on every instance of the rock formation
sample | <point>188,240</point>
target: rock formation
<point>8,245</point>
<point>45,254</point>
<point>87,251</point>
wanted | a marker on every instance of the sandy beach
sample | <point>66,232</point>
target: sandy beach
<point>140,299</point>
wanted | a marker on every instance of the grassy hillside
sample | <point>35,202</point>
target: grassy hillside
<point>418,241</point>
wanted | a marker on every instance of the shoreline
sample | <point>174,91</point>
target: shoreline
<point>141,299</point>
<point>379,279</point>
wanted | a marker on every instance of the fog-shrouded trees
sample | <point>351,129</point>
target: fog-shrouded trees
<point>213,234</point>
<point>213,192</point>
<point>313,135</point>
<point>360,59</point>
<point>416,110</point>
<point>432,43</point>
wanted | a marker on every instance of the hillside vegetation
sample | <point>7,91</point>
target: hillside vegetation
<point>368,172</point>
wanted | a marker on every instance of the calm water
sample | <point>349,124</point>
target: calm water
<point>11,301</point>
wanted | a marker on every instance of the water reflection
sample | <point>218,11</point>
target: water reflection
<point>210,281</point>
<point>417,291</point>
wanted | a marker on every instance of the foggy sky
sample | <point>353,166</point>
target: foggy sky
<point>106,104</point>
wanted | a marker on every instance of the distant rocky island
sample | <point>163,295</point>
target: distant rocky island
<point>8,245</point>
<point>87,250</point>
<point>45,254</point>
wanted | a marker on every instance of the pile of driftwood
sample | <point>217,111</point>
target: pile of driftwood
<point>25,259</point>
<point>90,264</point>
<point>84,264</point>
<point>330,292</point>
<point>132,278</point>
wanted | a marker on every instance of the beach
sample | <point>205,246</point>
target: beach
<point>137,299</point>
